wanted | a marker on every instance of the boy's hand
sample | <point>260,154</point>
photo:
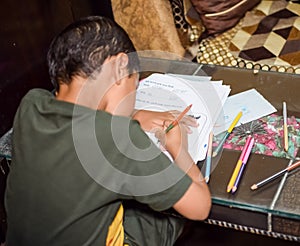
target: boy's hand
<point>175,141</point>
<point>151,120</point>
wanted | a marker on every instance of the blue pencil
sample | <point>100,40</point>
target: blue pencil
<point>208,158</point>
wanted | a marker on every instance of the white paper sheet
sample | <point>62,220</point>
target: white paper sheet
<point>250,102</point>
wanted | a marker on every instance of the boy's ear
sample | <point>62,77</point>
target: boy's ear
<point>122,60</point>
<point>121,66</point>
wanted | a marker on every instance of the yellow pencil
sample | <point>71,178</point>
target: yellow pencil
<point>285,129</point>
<point>234,175</point>
<point>234,122</point>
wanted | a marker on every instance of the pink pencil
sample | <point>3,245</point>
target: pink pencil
<point>244,162</point>
<point>238,165</point>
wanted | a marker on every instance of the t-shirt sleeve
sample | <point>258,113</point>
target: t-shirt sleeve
<point>151,177</point>
<point>166,198</point>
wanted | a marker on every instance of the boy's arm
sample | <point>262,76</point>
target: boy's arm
<point>195,204</point>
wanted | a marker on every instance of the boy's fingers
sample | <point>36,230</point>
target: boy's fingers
<point>188,129</point>
<point>160,135</point>
<point>187,119</point>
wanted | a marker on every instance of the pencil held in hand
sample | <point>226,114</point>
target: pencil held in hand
<point>176,121</point>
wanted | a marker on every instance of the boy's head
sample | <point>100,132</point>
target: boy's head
<point>82,47</point>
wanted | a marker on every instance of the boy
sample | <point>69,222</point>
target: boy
<point>78,155</point>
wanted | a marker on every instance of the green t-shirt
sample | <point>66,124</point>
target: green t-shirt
<point>72,167</point>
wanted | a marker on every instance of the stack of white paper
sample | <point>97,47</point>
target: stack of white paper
<point>162,92</point>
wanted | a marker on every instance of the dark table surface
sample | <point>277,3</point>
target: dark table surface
<point>275,207</point>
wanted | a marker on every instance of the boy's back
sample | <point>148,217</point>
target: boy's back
<point>50,195</point>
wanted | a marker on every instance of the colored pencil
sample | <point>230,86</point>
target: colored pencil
<point>208,158</point>
<point>285,129</point>
<point>274,176</point>
<point>244,162</point>
<point>234,122</point>
<point>176,121</point>
<point>238,165</point>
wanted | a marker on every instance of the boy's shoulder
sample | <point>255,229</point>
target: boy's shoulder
<point>37,92</point>
<point>35,95</point>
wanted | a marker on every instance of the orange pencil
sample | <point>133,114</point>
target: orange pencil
<point>176,121</point>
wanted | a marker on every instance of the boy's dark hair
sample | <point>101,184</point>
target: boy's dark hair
<point>82,47</point>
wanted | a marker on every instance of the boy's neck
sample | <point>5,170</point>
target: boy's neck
<point>80,91</point>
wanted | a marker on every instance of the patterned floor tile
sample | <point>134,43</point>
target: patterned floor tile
<point>256,54</point>
<point>267,38</point>
<point>274,43</point>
